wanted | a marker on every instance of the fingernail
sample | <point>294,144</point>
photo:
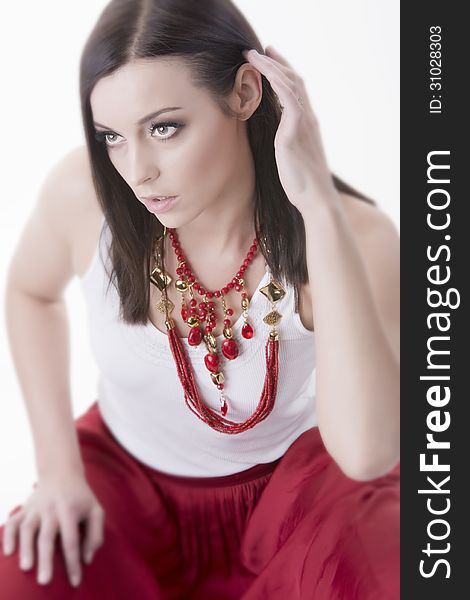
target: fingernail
<point>25,563</point>
<point>75,580</point>
<point>88,557</point>
<point>42,577</point>
<point>7,549</point>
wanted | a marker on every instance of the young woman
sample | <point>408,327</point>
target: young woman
<point>243,309</point>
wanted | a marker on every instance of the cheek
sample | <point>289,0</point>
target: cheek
<point>209,160</point>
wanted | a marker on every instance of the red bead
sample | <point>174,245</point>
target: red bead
<point>235,280</point>
<point>211,304</point>
<point>217,293</point>
<point>191,279</point>
<point>229,311</point>
<point>227,322</point>
<point>225,291</point>
<point>230,349</point>
<point>192,312</point>
<point>195,336</point>
<point>211,361</point>
<point>179,271</point>
<point>209,294</point>
<point>246,263</point>
<point>193,302</point>
<point>220,386</point>
<point>250,256</point>
<point>224,408</point>
<point>239,274</point>
<point>230,285</point>
<point>184,314</point>
<point>247,331</point>
<point>238,287</point>
<point>202,291</point>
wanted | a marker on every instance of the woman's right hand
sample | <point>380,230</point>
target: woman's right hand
<point>56,505</point>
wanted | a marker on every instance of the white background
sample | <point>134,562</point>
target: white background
<point>346,50</point>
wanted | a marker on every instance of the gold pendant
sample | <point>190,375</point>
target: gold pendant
<point>164,306</point>
<point>160,278</point>
<point>273,291</point>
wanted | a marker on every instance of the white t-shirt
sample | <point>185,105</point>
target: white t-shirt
<point>142,401</point>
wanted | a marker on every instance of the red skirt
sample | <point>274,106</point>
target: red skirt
<point>294,529</point>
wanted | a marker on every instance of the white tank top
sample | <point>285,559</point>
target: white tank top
<point>142,401</point>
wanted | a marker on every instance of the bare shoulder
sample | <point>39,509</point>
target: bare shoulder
<point>377,239</point>
<point>369,222</point>
<point>378,242</point>
<point>87,213</point>
<point>59,229</point>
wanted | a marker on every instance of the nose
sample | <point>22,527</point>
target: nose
<point>141,166</point>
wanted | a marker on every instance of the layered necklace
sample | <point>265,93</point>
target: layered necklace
<point>201,318</point>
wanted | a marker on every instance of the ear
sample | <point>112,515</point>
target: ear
<point>247,92</point>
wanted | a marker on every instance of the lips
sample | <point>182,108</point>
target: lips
<point>157,197</point>
<point>160,204</point>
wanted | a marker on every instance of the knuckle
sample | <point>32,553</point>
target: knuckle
<point>26,525</point>
<point>70,546</point>
<point>45,541</point>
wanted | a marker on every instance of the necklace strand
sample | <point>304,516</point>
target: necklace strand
<point>205,312</point>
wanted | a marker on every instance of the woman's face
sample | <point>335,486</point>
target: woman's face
<point>192,151</point>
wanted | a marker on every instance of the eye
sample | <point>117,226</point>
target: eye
<point>103,136</point>
<point>154,126</point>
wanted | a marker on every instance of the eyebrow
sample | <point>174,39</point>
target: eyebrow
<point>147,117</point>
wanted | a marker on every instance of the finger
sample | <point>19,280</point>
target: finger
<point>94,536</point>
<point>273,53</point>
<point>27,530</point>
<point>10,530</point>
<point>70,547</point>
<point>45,549</point>
<point>268,67</point>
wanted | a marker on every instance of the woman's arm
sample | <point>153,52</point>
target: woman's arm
<point>353,265</point>
<point>36,319</point>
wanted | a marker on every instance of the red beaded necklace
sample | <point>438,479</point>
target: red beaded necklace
<point>194,313</point>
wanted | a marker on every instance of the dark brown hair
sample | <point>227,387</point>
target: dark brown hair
<point>209,36</point>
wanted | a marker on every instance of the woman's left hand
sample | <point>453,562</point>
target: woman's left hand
<point>300,157</point>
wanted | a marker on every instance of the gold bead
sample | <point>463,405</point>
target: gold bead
<point>210,341</point>
<point>181,285</point>
<point>273,335</point>
<point>228,332</point>
<point>192,321</point>
<point>245,303</point>
<point>218,378</point>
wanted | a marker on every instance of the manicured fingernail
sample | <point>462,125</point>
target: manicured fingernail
<point>7,549</point>
<point>42,577</point>
<point>25,563</point>
<point>75,580</point>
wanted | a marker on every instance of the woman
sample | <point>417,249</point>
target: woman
<point>243,308</point>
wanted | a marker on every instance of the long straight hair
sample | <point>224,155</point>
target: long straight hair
<point>209,36</point>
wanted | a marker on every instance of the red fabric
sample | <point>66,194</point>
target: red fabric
<point>295,529</point>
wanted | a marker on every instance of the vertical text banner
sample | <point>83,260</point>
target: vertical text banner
<point>435,255</point>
